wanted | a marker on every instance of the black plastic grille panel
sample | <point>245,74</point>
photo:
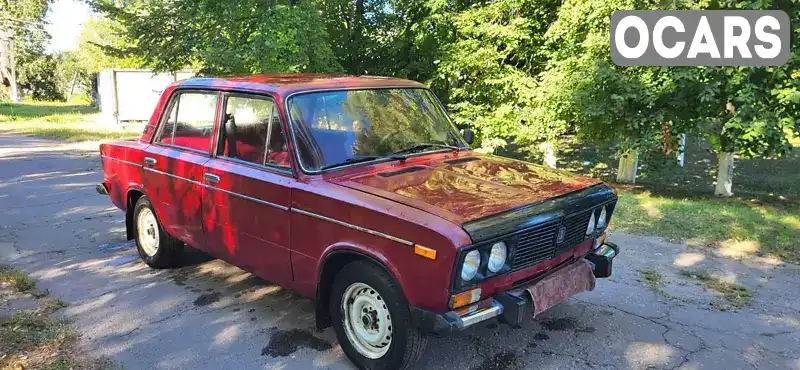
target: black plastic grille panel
<point>539,242</point>
<point>535,245</point>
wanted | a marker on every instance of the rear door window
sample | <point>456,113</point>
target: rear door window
<point>190,122</point>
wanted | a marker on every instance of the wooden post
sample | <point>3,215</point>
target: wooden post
<point>72,87</point>
<point>628,165</point>
<point>725,175</point>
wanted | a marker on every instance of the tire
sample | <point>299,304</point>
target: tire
<point>372,285</point>
<point>156,247</point>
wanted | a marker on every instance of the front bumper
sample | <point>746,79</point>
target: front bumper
<point>510,308</point>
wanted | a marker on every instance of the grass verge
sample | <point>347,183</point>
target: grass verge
<point>737,228</point>
<point>16,279</point>
<point>735,294</point>
<point>75,122</point>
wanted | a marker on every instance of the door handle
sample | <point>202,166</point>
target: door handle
<point>212,178</point>
<point>150,161</point>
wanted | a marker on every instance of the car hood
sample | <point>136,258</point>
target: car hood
<point>468,187</point>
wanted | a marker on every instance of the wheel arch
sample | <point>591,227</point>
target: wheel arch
<point>132,196</point>
<point>332,262</point>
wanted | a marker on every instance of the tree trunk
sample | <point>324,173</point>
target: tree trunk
<point>682,152</point>
<point>725,175</point>
<point>7,63</point>
<point>628,165</point>
<point>549,151</point>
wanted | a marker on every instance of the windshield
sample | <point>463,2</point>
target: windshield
<point>341,127</point>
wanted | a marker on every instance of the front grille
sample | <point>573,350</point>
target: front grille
<point>539,242</point>
<point>535,245</point>
<point>576,225</point>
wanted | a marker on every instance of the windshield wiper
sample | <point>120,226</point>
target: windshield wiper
<point>421,146</point>
<point>365,158</point>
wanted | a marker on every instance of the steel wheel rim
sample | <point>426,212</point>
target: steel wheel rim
<point>147,230</point>
<point>367,321</point>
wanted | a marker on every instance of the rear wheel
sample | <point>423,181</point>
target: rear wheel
<point>156,247</point>
<point>372,320</point>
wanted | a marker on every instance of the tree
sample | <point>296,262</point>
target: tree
<point>490,70</point>
<point>248,36</point>
<point>398,38</point>
<point>754,109</point>
<point>97,43</point>
<point>22,37</point>
<point>581,90</point>
<point>746,110</point>
<point>37,77</point>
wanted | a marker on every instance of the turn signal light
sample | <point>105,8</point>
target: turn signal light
<point>465,298</point>
<point>425,251</point>
<point>600,241</point>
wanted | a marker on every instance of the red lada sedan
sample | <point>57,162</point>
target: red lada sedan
<point>359,193</point>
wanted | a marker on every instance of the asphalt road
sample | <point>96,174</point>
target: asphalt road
<point>211,315</point>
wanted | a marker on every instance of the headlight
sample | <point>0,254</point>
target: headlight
<point>601,221</point>
<point>590,227</point>
<point>497,257</point>
<point>471,263</point>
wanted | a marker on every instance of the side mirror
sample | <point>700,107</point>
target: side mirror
<point>469,135</point>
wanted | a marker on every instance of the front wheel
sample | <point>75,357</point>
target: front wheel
<point>372,320</point>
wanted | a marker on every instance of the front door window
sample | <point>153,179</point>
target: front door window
<point>252,132</point>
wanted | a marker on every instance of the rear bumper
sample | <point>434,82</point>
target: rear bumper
<point>508,307</point>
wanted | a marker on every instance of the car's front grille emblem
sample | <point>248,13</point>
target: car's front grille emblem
<point>562,232</point>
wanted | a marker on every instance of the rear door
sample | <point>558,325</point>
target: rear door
<point>246,195</point>
<point>174,163</point>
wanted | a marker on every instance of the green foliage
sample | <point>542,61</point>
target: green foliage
<point>491,69</point>
<point>37,77</point>
<point>753,110</point>
<point>242,37</point>
<point>398,38</point>
<point>99,37</point>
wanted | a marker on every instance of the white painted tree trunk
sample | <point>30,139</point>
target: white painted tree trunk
<point>628,165</point>
<point>682,152</point>
<point>549,151</point>
<point>725,175</point>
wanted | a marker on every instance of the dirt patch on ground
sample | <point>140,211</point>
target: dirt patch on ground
<point>207,299</point>
<point>500,361</point>
<point>565,323</point>
<point>283,343</point>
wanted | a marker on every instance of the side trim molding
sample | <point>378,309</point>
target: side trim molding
<point>173,176</point>
<point>278,206</point>
<point>296,210</point>
<point>354,227</point>
<point>120,160</point>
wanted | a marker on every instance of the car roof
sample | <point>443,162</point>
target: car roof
<point>286,84</point>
